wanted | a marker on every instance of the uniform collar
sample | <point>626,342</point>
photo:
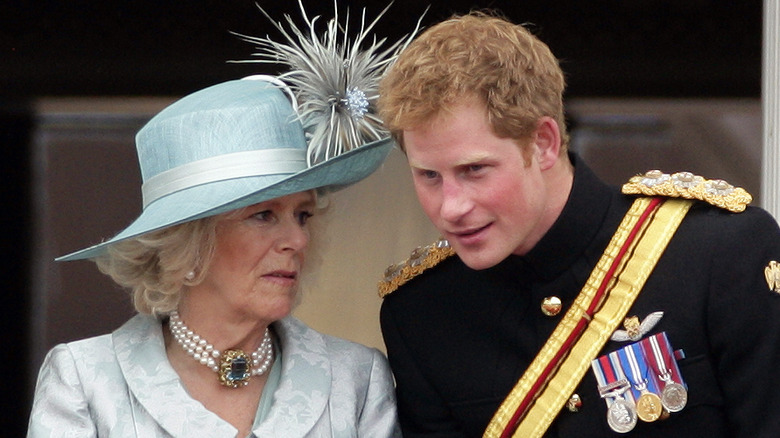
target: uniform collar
<point>576,227</point>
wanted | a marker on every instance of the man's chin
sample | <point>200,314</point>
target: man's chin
<point>478,259</point>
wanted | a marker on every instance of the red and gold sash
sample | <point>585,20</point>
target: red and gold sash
<point>603,303</point>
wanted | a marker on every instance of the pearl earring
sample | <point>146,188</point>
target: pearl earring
<point>190,276</point>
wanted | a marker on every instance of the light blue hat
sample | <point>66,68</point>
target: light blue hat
<point>229,146</point>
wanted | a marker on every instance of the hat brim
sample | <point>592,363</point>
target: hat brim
<point>219,197</point>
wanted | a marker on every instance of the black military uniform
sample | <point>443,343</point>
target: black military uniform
<point>459,339</point>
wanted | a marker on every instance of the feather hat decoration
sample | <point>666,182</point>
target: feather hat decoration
<point>334,77</point>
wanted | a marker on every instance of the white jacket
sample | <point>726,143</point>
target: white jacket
<point>122,385</point>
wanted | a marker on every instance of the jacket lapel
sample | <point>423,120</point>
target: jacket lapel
<point>156,387</point>
<point>304,390</point>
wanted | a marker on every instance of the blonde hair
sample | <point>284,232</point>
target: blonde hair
<point>482,55</point>
<point>156,266</point>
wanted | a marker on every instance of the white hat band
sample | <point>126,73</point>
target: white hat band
<point>223,167</point>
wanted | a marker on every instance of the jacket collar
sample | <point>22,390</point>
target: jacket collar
<point>299,402</point>
<point>140,351</point>
<point>577,226</point>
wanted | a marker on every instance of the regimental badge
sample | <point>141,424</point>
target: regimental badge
<point>634,330</point>
<point>772,274</point>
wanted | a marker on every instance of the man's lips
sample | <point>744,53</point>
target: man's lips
<point>468,232</point>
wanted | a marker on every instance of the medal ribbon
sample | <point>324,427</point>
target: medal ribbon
<point>670,359</point>
<point>658,364</point>
<point>614,360</point>
<point>602,304</point>
<point>602,378</point>
<point>609,383</point>
<point>631,358</point>
<point>661,350</point>
<point>606,367</point>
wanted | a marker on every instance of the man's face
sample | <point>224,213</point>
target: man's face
<point>479,190</point>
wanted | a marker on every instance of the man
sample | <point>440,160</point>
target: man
<point>570,309</point>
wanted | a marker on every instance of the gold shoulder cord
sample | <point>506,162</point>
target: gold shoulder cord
<point>689,186</point>
<point>422,258</point>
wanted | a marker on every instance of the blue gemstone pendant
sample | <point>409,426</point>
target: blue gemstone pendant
<point>234,369</point>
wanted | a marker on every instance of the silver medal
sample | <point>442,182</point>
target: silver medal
<point>621,416</point>
<point>674,397</point>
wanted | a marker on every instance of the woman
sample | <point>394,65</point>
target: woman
<point>215,259</point>
<point>214,262</point>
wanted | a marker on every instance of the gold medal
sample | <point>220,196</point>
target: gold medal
<point>649,407</point>
<point>648,404</point>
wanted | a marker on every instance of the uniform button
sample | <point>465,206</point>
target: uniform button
<point>575,403</point>
<point>551,306</point>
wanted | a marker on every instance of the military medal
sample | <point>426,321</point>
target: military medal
<point>648,404</point>
<point>621,414</point>
<point>649,407</point>
<point>674,396</point>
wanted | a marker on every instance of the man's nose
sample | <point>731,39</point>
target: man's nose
<point>455,202</point>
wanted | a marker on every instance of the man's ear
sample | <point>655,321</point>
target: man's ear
<point>547,138</point>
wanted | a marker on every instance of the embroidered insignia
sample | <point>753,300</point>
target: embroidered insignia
<point>634,329</point>
<point>772,274</point>
<point>689,186</point>
<point>422,258</point>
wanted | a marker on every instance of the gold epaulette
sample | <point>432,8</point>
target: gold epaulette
<point>689,186</point>
<point>422,258</point>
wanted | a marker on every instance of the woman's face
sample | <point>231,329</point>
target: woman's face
<point>258,257</point>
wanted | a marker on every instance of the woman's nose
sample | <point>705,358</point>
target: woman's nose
<point>294,237</point>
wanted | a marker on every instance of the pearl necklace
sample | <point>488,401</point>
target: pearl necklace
<point>232,366</point>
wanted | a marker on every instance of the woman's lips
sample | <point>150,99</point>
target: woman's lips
<point>282,276</point>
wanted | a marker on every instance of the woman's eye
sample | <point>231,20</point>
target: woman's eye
<point>264,216</point>
<point>476,168</point>
<point>304,216</point>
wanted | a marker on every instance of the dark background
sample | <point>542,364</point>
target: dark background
<point>608,48</point>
